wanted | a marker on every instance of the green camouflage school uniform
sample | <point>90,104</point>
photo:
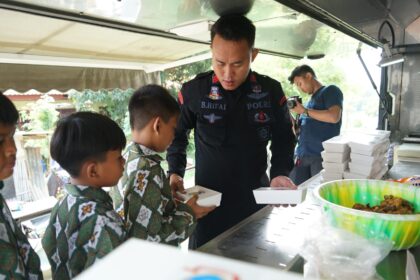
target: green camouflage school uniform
<point>148,206</point>
<point>83,228</point>
<point>17,258</point>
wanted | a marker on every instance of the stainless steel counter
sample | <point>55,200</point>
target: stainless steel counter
<point>273,236</point>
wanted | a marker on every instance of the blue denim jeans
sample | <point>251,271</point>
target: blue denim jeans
<point>305,168</point>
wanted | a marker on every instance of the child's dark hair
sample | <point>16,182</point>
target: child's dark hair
<point>8,112</point>
<point>149,102</point>
<point>84,136</point>
<point>301,71</point>
<point>234,28</point>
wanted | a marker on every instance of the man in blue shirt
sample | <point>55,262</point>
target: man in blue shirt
<point>319,120</point>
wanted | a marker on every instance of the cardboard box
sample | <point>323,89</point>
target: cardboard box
<point>279,196</point>
<point>206,197</point>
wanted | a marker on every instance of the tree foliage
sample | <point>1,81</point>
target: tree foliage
<point>110,102</point>
<point>40,115</point>
<point>173,78</point>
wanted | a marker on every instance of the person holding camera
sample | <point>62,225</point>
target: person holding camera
<point>319,120</point>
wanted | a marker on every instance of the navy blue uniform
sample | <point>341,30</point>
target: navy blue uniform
<point>232,130</point>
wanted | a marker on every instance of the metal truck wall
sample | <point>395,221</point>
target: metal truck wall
<point>410,95</point>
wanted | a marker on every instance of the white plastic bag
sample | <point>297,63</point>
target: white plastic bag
<point>333,253</point>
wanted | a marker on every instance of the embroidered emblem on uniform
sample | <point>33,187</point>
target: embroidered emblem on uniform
<point>215,93</point>
<point>212,118</point>
<point>141,181</point>
<point>120,211</point>
<point>144,216</point>
<point>256,88</point>
<point>258,95</point>
<point>261,117</point>
<point>263,133</point>
<point>85,210</point>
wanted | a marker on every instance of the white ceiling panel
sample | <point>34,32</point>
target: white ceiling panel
<point>44,36</point>
<point>27,29</point>
<point>93,38</point>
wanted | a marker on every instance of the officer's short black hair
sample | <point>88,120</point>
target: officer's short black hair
<point>8,112</point>
<point>301,71</point>
<point>234,28</point>
<point>84,136</point>
<point>149,102</point>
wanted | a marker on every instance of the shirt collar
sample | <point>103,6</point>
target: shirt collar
<point>96,194</point>
<point>1,185</point>
<point>147,152</point>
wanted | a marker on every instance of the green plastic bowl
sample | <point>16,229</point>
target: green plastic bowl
<point>338,197</point>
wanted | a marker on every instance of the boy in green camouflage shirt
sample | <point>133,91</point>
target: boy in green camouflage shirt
<point>143,195</point>
<point>84,226</point>
<point>17,258</point>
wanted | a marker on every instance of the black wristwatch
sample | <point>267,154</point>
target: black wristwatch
<point>306,112</point>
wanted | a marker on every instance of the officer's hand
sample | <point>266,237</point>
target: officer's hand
<point>177,185</point>
<point>199,211</point>
<point>282,182</point>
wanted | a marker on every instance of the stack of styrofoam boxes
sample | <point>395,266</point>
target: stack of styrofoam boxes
<point>368,155</point>
<point>335,158</point>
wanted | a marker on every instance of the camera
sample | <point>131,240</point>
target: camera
<point>291,101</point>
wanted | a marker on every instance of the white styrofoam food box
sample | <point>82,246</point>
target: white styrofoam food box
<point>331,176</point>
<point>206,197</point>
<point>367,169</point>
<point>368,145</point>
<point>365,160</point>
<point>335,167</point>
<point>336,144</point>
<point>267,195</point>
<point>124,263</point>
<point>336,157</point>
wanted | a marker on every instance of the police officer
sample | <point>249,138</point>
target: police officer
<point>234,112</point>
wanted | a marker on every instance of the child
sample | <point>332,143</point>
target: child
<point>149,208</point>
<point>17,258</point>
<point>83,226</point>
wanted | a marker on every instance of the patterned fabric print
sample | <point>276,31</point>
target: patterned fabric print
<point>83,227</point>
<point>17,258</point>
<point>150,210</point>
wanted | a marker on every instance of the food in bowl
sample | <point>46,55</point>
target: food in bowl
<point>338,197</point>
<point>390,205</point>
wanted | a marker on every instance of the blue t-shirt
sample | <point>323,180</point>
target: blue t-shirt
<point>313,132</point>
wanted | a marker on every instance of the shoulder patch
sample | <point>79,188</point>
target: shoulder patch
<point>180,98</point>
<point>282,100</point>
